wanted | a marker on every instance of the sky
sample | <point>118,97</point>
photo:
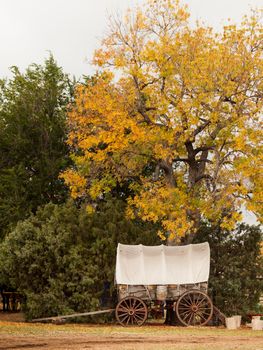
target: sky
<point>72,29</point>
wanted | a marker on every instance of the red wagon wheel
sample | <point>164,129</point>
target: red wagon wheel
<point>194,308</point>
<point>131,311</point>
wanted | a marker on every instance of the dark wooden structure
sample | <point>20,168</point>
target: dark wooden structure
<point>11,301</point>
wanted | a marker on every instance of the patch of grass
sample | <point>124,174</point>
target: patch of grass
<point>33,328</point>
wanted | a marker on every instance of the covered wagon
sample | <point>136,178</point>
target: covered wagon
<point>150,276</point>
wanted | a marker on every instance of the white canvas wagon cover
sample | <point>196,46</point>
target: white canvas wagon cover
<point>160,265</point>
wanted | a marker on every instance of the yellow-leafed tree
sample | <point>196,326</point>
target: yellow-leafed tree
<point>176,112</point>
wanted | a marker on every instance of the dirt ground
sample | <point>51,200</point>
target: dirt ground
<point>23,336</point>
<point>128,342</point>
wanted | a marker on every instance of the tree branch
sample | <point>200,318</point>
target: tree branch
<point>186,160</point>
<point>203,148</point>
<point>204,176</point>
<point>201,128</point>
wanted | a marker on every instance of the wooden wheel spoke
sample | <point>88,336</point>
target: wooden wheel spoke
<point>190,320</point>
<point>123,309</point>
<point>203,309</point>
<point>206,313</point>
<point>184,304</point>
<point>191,297</point>
<point>138,306</point>
<point>128,320</point>
<point>187,302</point>
<point>138,316</point>
<point>184,307</point>
<point>132,318</point>
<point>186,312</point>
<point>182,312</point>
<point>194,319</point>
<point>198,296</point>
<point>187,318</point>
<point>203,319</point>
<point>123,318</point>
<point>140,310</point>
<point>125,302</point>
<point>187,315</point>
<point>201,316</point>
<point>204,299</point>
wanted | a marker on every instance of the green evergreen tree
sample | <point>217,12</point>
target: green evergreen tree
<point>236,269</point>
<point>32,133</point>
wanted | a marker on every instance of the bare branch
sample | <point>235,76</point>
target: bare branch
<point>204,161</point>
<point>215,132</point>
<point>204,176</point>
<point>201,128</point>
<point>185,160</point>
<point>203,148</point>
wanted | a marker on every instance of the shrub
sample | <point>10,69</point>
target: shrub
<point>236,268</point>
<point>61,257</point>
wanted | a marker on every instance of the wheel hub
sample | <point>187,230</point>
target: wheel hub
<point>194,308</point>
<point>131,312</point>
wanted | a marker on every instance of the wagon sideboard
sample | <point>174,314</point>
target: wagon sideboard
<point>158,292</point>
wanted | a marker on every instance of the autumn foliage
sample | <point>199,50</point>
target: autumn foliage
<point>175,112</point>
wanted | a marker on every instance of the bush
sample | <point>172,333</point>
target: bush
<point>61,257</point>
<point>236,269</point>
